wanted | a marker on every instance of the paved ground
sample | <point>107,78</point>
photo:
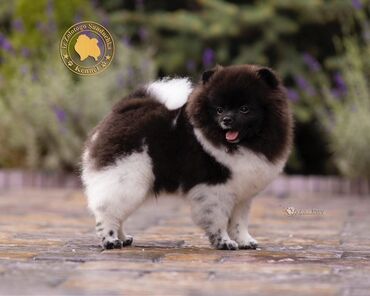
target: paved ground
<point>48,246</point>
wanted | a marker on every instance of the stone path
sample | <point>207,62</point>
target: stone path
<point>320,246</point>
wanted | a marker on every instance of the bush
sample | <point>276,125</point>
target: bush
<point>189,35</point>
<point>345,109</point>
<point>47,111</point>
<point>347,113</point>
<point>46,114</point>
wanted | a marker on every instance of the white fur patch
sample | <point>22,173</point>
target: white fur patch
<point>120,188</point>
<point>173,93</point>
<point>251,172</point>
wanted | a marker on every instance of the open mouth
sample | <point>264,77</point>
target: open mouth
<point>232,136</point>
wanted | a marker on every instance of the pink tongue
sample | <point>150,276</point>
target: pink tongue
<point>232,135</point>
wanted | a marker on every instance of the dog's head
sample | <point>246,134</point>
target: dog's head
<point>236,105</point>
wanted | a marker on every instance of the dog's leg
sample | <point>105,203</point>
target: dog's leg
<point>125,238</point>
<point>238,226</point>
<point>107,226</point>
<point>211,210</point>
<point>111,214</point>
<point>115,192</point>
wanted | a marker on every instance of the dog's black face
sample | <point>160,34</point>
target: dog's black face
<point>241,106</point>
<point>238,114</point>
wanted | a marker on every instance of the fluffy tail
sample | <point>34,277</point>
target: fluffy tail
<point>173,93</point>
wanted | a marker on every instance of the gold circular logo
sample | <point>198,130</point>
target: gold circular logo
<point>87,48</point>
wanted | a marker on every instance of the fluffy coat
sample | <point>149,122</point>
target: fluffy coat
<point>170,137</point>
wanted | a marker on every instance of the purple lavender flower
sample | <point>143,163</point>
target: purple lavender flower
<point>25,52</point>
<point>50,8</point>
<point>45,27</point>
<point>126,40</point>
<point>302,82</point>
<point>52,26</point>
<point>60,114</point>
<point>139,4</point>
<point>311,62</point>
<point>130,72</point>
<point>5,44</point>
<point>17,25</point>
<point>292,94</point>
<point>121,80</point>
<point>77,17</point>
<point>143,33</point>
<point>51,23</point>
<point>190,65</point>
<point>208,57</point>
<point>340,87</point>
<point>94,3</point>
<point>366,31</point>
<point>336,93</point>
<point>304,85</point>
<point>357,4</point>
<point>41,27</point>
<point>339,82</point>
<point>105,20</point>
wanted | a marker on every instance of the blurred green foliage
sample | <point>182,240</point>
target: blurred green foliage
<point>45,119</point>
<point>32,28</point>
<point>46,110</point>
<point>189,36</point>
<point>311,44</point>
<point>346,115</point>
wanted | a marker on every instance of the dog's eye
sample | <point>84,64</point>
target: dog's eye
<point>244,109</point>
<point>219,110</point>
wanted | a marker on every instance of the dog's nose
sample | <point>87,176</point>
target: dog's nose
<point>227,121</point>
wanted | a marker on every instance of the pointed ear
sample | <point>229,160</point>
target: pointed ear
<point>208,74</point>
<point>268,76</point>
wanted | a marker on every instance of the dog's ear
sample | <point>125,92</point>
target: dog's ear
<point>208,74</point>
<point>268,76</point>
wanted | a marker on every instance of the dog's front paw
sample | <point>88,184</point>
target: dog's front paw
<point>226,244</point>
<point>248,243</point>
<point>112,244</point>
<point>222,241</point>
<point>127,241</point>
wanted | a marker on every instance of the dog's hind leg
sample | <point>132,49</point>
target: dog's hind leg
<point>116,191</point>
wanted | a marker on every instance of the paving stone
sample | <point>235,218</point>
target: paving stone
<point>48,247</point>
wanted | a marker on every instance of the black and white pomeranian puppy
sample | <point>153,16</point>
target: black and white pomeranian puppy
<point>219,143</point>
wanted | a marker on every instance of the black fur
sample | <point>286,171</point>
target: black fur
<point>265,129</point>
<point>179,161</point>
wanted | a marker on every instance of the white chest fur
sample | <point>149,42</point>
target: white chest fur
<point>251,172</point>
